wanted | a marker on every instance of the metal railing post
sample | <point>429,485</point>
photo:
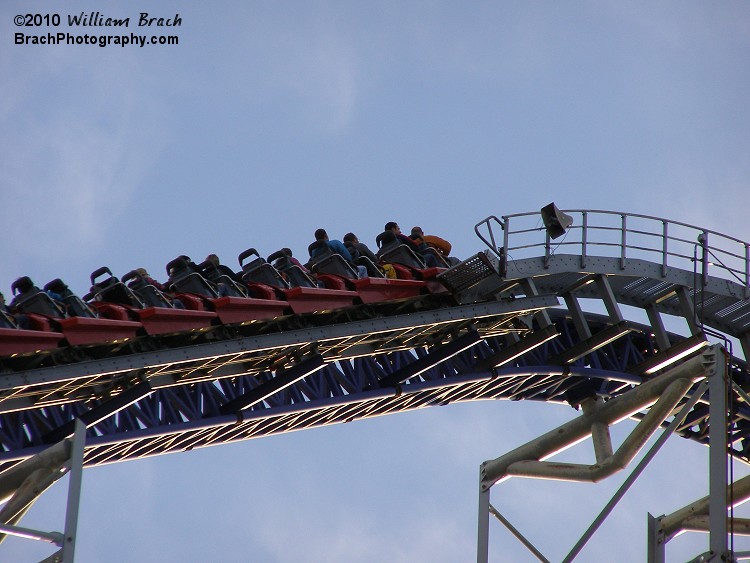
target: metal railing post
<point>623,241</point>
<point>704,257</point>
<point>747,270</point>
<point>664,251</point>
<point>584,237</point>
<point>506,236</point>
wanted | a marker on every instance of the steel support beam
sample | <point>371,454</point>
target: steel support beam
<point>656,547</point>
<point>592,343</point>
<point>740,526</point>
<point>518,535</point>
<point>678,380</point>
<point>48,459</point>
<point>20,532</point>
<point>674,523</point>
<point>74,492</point>
<point>578,316</point>
<point>668,356</point>
<point>483,525</point>
<point>717,505</point>
<point>636,471</point>
<point>38,474</point>
<point>656,415</point>
<point>519,348</point>
<point>688,310</point>
<point>657,325</point>
<point>529,288</point>
<point>576,430</point>
<point>599,431</point>
<point>608,297</point>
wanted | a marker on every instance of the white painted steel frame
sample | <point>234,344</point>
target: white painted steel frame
<point>49,466</point>
<point>708,514</point>
<point>666,390</point>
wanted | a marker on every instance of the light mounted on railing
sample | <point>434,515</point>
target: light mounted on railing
<point>555,221</point>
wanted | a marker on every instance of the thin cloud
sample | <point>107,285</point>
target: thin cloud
<point>310,60</point>
<point>74,159</point>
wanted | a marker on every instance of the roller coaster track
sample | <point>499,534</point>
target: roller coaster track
<point>636,290</point>
<point>375,360</point>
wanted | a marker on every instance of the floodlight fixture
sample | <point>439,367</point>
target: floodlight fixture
<point>555,221</point>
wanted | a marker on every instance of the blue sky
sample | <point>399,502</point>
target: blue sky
<point>272,119</point>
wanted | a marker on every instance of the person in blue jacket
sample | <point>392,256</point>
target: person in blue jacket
<point>335,245</point>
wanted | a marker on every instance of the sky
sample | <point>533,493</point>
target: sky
<point>271,119</point>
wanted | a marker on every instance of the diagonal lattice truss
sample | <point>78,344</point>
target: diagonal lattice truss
<point>181,396</point>
<point>184,389</point>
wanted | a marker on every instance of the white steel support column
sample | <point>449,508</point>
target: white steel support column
<point>661,396</point>
<point>694,517</point>
<point>37,474</point>
<point>717,504</point>
<point>74,492</point>
<point>599,431</point>
<point>709,514</point>
<point>657,551</point>
<point>483,538</point>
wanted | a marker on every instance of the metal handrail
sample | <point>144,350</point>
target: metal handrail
<point>625,236</point>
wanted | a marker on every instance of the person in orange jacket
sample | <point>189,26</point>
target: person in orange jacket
<point>433,241</point>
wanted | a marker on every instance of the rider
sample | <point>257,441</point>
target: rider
<point>336,246</point>
<point>357,248</point>
<point>429,260</point>
<point>442,246</point>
